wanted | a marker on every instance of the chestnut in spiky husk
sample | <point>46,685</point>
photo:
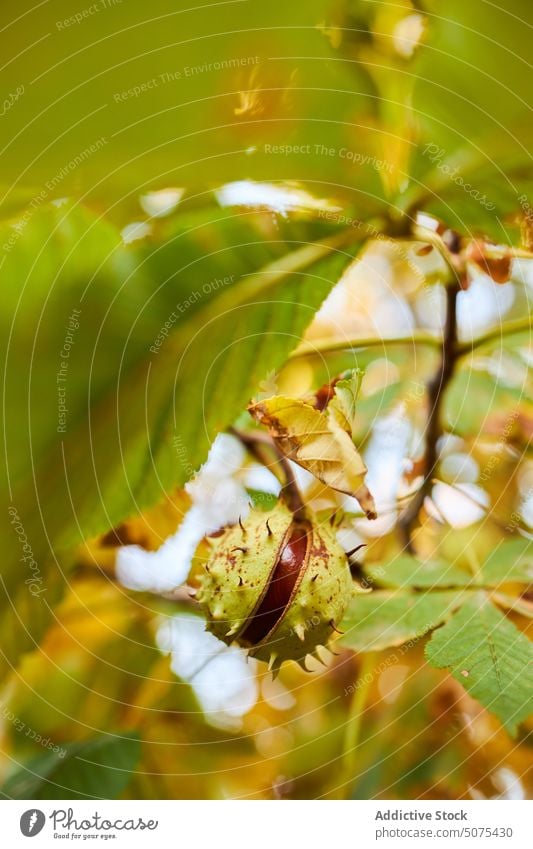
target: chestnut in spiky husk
<point>276,584</point>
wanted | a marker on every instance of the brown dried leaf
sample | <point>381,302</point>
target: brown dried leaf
<point>496,262</point>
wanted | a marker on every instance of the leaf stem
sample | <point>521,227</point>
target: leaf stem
<point>493,334</point>
<point>352,731</point>
<point>330,346</point>
<point>318,347</point>
<point>256,443</point>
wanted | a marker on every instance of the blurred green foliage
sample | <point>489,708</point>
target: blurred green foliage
<point>380,113</point>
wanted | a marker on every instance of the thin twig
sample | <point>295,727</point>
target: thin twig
<point>255,443</point>
<point>259,445</point>
<point>435,392</point>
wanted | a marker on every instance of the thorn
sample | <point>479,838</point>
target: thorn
<point>314,577</point>
<point>323,653</point>
<point>239,548</point>
<point>332,623</point>
<point>269,529</point>
<point>357,548</point>
<point>299,630</point>
<point>233,630</point>
<point>301,664</point>
<point>274,665</point>
<point>243,529</point>
<point>317,657</point>
<point>240,581</point>
<point>207,569</point>
<point>332,518</point>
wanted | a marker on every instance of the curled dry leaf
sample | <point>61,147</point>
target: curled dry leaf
<point>320,441</point>
<point>494,261</point>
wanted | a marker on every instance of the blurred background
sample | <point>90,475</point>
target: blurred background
<point>152,166</point>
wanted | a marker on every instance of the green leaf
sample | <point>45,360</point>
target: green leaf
<point>326,98</point>
<point>262,500</point>
<point>472,100</point>
<point>382,619</point>
<point>190,99</point>
<point>490,657</point>
<point>511,560</point>
<point>141,416</point>
<point>99,768</point>
<point>61,257</point>
<point>155,427</point>
<point>407,571</point>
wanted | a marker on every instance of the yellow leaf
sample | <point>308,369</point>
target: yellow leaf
<point>318,442</point>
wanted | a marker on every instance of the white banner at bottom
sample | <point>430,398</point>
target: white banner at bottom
<point>269,825</point>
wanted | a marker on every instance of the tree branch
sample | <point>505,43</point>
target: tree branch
<point>435,392</point>
<point>256,444</point>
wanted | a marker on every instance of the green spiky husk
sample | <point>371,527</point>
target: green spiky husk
<point>235,582</point>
